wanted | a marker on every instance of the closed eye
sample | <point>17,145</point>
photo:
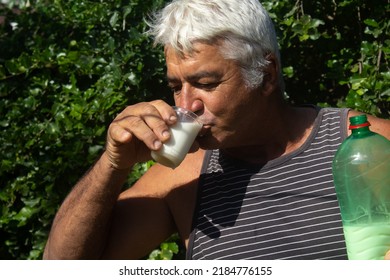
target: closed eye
<point>175,89</point>
<point>206,86</point>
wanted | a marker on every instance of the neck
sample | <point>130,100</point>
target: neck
<point>284,131</point>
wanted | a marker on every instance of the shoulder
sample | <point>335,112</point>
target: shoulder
<point>378,125</point>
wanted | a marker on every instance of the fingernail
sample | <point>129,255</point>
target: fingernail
<point>157,144</point>
<point>173,118</point>
<point>166,134</point>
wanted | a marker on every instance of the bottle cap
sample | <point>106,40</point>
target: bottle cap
<point>358,121</point>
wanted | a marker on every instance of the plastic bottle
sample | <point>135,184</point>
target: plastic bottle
<point>361,171</point>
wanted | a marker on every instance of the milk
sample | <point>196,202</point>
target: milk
<point>367,242</point>
<point>176,148</point>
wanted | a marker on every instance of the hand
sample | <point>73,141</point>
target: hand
<point>137,130</point>
<point>387,256</point>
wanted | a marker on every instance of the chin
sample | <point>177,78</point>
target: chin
<point>208,142</point>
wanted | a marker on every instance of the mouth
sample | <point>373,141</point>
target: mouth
<point>205,129</point>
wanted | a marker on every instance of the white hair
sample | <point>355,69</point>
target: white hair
<point>243,26</point>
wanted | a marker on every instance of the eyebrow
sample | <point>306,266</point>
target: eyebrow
<point>197,76</point>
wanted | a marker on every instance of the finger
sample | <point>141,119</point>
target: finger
<point>137,127</point>
<point>166,111</point>
<point>156,122</point>
<point>144,122</point>
<point>387,256</point>
<point>116,148</point>
<point>148,122</point>
<point>118,134</point>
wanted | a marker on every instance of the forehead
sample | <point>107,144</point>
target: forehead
<point>205,58</point>
<point>196,48</point>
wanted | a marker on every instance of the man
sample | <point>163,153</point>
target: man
<point>258,183</point>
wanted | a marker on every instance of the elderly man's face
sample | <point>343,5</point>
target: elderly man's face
<point>213,87</point>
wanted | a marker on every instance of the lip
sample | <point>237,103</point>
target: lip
<point>205,129</point>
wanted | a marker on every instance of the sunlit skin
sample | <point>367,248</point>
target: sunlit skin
<point>213,87</point>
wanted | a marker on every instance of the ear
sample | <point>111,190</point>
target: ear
<point>271,79</point>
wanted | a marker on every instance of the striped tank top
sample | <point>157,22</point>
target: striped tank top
<point>285,209</point>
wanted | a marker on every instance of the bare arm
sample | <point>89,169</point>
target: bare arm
<point>381,126</point>
<point>82,224</point>
<point>160,203</point>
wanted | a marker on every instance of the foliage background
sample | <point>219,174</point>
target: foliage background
<point>68,67</point>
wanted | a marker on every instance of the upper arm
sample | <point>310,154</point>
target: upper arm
<point>141,219</point>
<point>378,125</point>
<point>143,216</point>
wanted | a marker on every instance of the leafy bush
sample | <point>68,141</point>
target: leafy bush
<point>336,53</point>
<point>68,67</point>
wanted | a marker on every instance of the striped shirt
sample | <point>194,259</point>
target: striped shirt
<point>285,209</point>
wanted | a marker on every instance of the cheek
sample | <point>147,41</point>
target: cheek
<point>231,104</point>
<point>216,108</point>
<point>226,105</point>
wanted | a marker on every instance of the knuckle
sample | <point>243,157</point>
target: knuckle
<point>157,102</point>
<point>147,137</point>
<point>142,120</point>
<point>160,126</point>
<point>114,132</point>
<point>149,110</point>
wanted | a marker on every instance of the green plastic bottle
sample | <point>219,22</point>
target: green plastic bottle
<point>361,171</point>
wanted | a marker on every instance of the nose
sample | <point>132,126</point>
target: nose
<point>189,100</point>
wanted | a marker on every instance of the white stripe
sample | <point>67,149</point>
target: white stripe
<point>326,135</point>
<point>277,171</point>
<point>219,193</point>
<point>270,240</point>
<point>276,219</point>
<point>325,141</point>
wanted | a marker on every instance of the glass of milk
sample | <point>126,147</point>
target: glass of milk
<point>183,134</point>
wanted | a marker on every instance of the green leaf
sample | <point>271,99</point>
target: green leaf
<point>2,72</point>
<point>371,22</point>
<point>114,19</point>
<point>12,66</point>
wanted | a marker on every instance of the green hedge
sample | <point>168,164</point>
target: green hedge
<point>336,53</point>
<point>68,67</point>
